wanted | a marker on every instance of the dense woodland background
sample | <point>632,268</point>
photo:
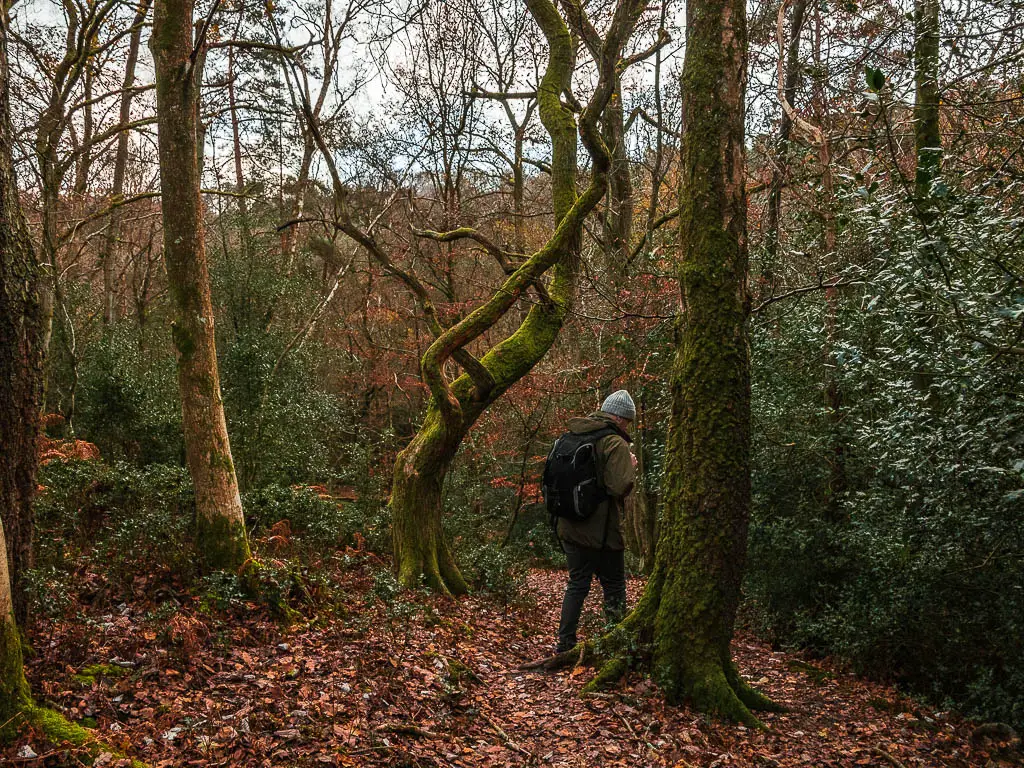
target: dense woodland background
<point>887,301</point>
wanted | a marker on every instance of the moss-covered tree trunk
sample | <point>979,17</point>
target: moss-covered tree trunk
<point>773,215</point>
<point>14,693</point>
<point>687,612</point>
<point>422,554</point>
<point>220,524</point>
<point>21,359</point>
<point>618,214</point>
<point>641,527</point>
<point>20,378</point>
<point>703,540</point>
<point>20,383</point>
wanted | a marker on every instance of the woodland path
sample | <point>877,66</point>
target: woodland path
<point>424,682</point>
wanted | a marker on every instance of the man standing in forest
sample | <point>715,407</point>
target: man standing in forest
<point>594,544</point>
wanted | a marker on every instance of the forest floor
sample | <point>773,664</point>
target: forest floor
<point>385,679</point>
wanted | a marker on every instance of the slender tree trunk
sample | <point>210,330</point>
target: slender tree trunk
<point>774,213</point>
<point>836,486</point>
<point>618,214</point>
<point>657,170</point>
<point>83,163</point>
<point>236,143</point>
<point>928,156</point>
<point>641,506</point>
<point>518,184</point>
<point>927,138</point>
<point>49,199</point>
<point>689,606</point>
<point>221,526</point>
<point>108,256</point>
<point>289,240</point>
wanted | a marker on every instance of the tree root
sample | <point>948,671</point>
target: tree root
<point>710,692</point>
<point>751,698</point>
<point>437,571</point>
<point>716,688</point>
<point>573,657</point>
<point>610,673</point>
<point>408,730</point>
<point>505,737</point>
<point>887,757</point>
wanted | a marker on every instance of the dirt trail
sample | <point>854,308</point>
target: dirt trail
<point>385,681</point>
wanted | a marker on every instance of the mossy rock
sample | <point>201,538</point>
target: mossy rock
<point>59,730</point>
<point>88,675</point>
<point>817,675</point>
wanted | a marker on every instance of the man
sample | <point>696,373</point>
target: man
<point>595,546</point>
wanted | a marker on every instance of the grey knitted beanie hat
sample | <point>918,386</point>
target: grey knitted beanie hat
<point>619,404</point>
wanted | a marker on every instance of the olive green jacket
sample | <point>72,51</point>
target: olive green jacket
<point>615,464</point>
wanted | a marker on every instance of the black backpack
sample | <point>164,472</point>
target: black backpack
<point>572,482</point>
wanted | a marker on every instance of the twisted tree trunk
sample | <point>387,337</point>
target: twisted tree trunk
<point>453,409</point>
<point>421,550</point>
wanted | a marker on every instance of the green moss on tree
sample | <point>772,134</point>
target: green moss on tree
<point>684,620</point>
<point>14,691</point>
<point>223,543</point>
<point>183,342</point>
<point>422,554</point>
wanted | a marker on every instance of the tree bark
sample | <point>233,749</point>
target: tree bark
<point>14,692</point>
<point>20,385</point>
<point>928,157</point>
<point>707,485</point>
<point>641,506</point>
<point>422,552</point>
<point>236,146</point>
<point>21,361</point>
<point>618,214</point>
<point>220,524</point>
<point>688,609</point>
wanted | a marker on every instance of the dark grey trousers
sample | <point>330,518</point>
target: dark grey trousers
<point>610,568</point>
